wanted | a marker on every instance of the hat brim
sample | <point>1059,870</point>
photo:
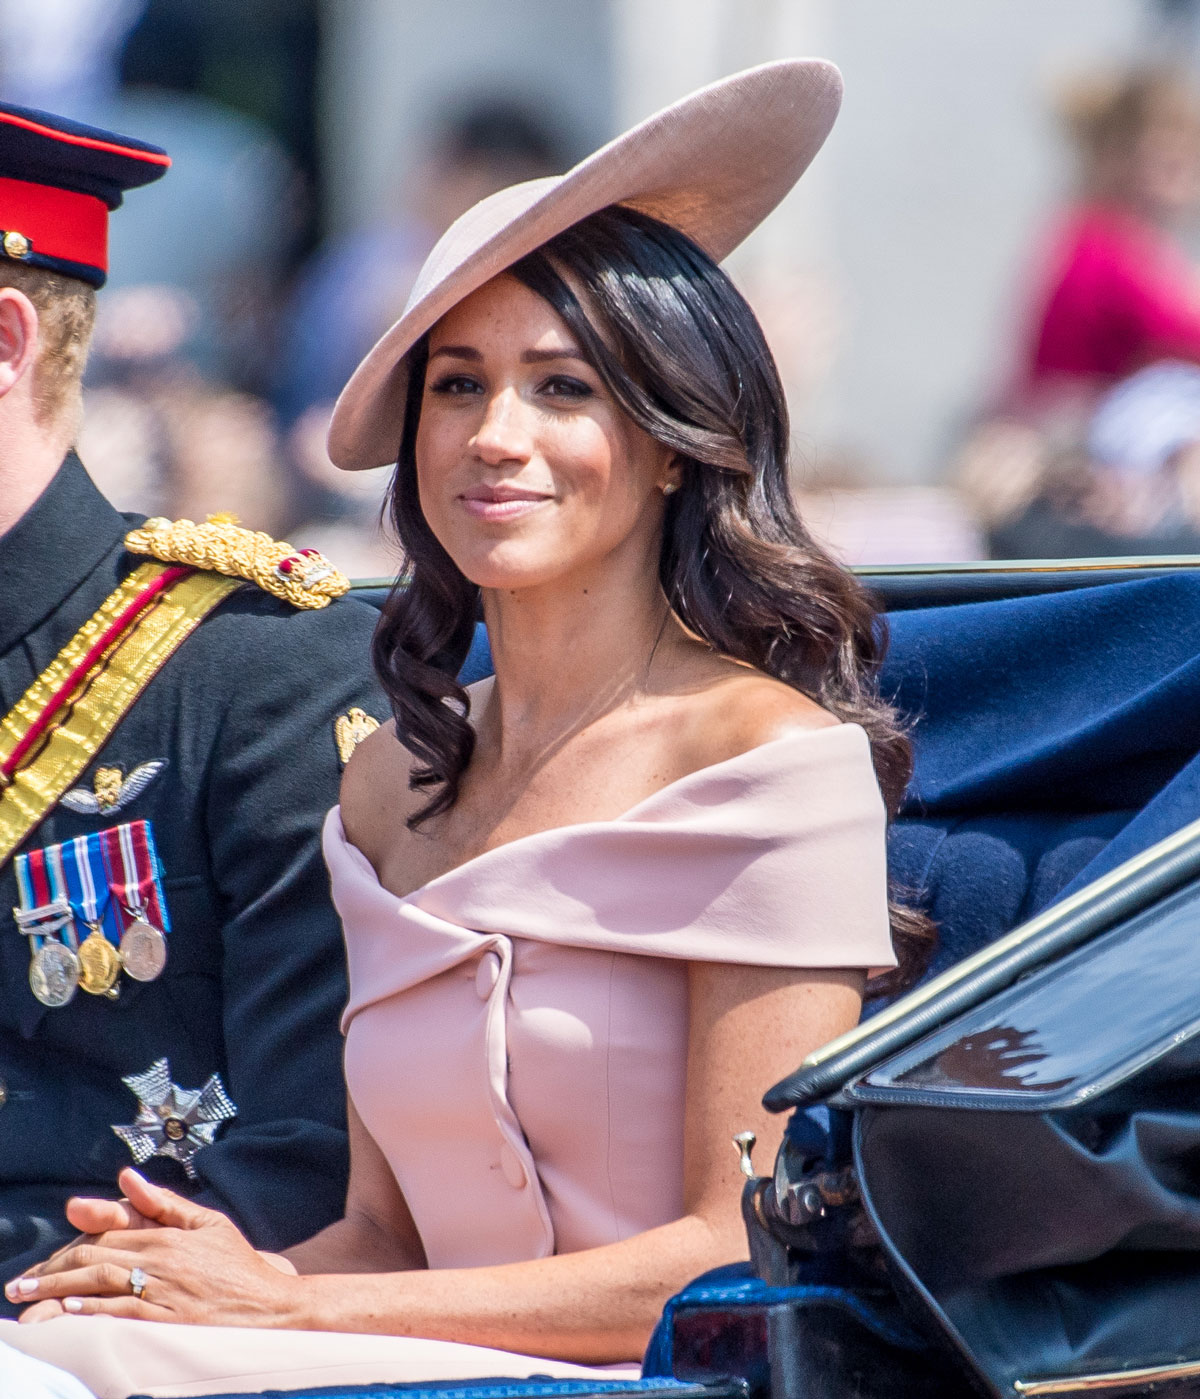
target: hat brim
<point>713,165</point>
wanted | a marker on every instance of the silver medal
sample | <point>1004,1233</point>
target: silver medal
<point>143,950</point>
<point>53,973</point>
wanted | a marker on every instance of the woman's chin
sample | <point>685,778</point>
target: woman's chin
<point>504,570</point>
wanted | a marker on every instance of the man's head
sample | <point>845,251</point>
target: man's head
<point>59,181</point>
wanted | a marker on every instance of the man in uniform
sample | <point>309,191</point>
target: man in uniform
<point>176,702</point>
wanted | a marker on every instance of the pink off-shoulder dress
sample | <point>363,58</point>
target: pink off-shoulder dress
<point>516,1037</point>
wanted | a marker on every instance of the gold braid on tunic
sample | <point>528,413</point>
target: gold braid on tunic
<point>303,577</point>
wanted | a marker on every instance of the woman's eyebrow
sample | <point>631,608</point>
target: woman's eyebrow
<point>456,352</point>
<point>468,352</point>
<point>540,356</point>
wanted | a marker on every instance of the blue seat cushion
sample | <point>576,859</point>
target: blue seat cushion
<point>979,877</point>
<point>1053,737</point>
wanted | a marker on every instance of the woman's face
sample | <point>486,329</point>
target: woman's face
<point>528,471</point>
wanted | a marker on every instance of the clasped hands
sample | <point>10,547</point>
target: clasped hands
<point>198,1267</point>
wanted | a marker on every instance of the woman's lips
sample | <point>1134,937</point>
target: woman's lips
<point>490,504</point>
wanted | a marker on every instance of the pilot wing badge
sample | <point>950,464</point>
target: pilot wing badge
<point>111,790</point>
<point>173,1121</point>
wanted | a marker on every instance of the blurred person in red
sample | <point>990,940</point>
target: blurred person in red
<point>1117,291</point>
<point>1114,293</point>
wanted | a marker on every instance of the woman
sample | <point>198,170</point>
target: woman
<point>596,904</point>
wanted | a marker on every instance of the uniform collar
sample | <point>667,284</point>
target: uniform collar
<point>52,548</point>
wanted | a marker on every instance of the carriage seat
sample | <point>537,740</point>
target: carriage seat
<point>1054,737</point>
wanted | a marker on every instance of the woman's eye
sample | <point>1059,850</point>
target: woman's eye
<point>563,386</point>
<point>455,384</point>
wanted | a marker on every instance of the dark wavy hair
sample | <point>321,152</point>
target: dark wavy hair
<point>684,356</point>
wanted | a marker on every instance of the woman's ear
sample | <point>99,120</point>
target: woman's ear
<point>18,337</point>
<point>672,476</point>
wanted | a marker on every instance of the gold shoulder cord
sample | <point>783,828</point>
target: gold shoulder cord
<point>303,577</point>
<point>105,695</point>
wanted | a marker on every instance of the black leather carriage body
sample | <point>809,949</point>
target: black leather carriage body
<point>1025,1143</point>
<point>1033,1168</point>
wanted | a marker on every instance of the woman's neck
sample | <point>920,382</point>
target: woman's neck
<point>566,655</point>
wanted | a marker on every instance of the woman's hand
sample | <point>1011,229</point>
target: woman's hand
<point>92,1218</point>
<point>198,1267</point>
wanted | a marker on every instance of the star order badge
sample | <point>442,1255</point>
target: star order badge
<point>173,1121</point>
<point>350,729</point>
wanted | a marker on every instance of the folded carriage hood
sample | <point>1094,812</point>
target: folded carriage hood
<point>1033,1167</point>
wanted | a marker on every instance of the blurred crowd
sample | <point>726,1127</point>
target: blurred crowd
<point>1092,448</point>
<point>231,323</point>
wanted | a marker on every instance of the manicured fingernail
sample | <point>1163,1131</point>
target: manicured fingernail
<point>72,1304</point>
<point>26,1285</point>
<point>10,1288</point>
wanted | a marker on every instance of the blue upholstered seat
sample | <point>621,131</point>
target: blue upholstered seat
<point>1054,737</point>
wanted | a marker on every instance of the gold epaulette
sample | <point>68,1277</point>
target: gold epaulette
<point>303,577</point>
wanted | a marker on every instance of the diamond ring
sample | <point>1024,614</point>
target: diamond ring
<point>137,1282</point>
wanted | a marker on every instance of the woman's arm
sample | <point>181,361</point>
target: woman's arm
<point>377,1234</point>
<point>747,1028</point>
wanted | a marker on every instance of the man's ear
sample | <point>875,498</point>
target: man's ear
<point>18,337</point>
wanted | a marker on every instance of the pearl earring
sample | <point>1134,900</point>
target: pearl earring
<point>670,487</point>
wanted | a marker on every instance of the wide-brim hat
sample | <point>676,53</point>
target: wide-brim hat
<point>713,165</point>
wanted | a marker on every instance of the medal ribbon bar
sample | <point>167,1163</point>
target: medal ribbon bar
<point>45,916</point>
<point>132,866</point>
<point>87,887</point>
<point>134,871</point>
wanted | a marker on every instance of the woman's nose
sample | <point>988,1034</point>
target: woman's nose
<point>503,434</point>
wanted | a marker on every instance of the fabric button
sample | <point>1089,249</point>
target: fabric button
<point>487,974</point>
<point>511,1165</point>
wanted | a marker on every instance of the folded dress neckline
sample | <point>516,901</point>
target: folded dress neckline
<point>666,792</point>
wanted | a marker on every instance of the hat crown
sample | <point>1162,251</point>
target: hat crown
<point>58,180</point>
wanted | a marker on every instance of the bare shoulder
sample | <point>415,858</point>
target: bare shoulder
<point>375,796</point>
<point>737,708</point>
<point>761,708</point>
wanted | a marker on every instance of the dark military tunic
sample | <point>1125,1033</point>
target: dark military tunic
<point>243,717</point>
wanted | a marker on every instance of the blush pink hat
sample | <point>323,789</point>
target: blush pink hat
<point>713,165</point>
